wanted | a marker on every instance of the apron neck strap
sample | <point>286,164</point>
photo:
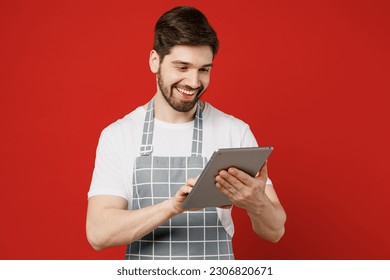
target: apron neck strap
<point>147,134</point>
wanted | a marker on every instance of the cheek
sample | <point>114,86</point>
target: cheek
<point>168,75</point>
<point>172,78</point>
<point>169,80</point>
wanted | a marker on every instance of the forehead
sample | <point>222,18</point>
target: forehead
<point>195,55</point>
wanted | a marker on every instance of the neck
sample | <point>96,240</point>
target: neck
<point>164,112</point>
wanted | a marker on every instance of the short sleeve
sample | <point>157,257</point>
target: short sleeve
<point>248,139</point>
<point>108,176</point>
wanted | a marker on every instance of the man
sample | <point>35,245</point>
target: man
<point>146,162</point>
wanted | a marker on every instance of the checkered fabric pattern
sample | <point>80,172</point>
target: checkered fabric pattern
<point>191,235</point>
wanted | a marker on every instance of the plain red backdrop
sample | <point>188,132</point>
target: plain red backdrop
<point>310,77</point>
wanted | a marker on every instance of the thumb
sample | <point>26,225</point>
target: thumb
<point>263,173</point>
<point>191,181</point>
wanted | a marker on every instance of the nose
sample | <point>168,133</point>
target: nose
<point>192,79</point>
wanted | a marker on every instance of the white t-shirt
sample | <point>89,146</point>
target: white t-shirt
<point>119,145</point>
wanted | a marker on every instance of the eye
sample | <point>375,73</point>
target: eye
<point>204,70</point>
<point>182,68</point>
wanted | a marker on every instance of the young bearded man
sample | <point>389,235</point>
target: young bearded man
<point>146,162</point>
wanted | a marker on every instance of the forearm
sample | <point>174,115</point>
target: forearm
<point>113,226</point>
<point>268,220</point>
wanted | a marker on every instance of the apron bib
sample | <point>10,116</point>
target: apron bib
<point>190,235</point>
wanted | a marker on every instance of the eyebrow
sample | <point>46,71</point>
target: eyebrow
<point>177,62</point>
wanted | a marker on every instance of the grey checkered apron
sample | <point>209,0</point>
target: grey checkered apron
<point>190,235</point>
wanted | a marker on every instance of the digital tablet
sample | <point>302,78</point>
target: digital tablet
<point>205,193</point>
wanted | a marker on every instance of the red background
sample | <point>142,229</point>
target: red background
<point>310,77</point>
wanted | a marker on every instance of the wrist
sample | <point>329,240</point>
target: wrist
<point>260,206</point>
<point>170,208</point>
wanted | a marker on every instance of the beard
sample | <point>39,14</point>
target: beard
<point>176,103</point>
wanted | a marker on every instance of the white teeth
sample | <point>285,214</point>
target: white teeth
<point>187,92</point>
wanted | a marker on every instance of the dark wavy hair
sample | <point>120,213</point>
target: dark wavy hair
<point>183,25</point>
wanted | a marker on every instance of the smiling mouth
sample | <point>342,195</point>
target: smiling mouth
<point>187,92</point>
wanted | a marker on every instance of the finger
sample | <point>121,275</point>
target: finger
<point>179,197</point>
<point>231,177</point>
<point>191,181</point>
<point>243,177</point>
<point>184,190</point>
<point>224,191</point>
<point>263,172</point>
<point>225,184</point>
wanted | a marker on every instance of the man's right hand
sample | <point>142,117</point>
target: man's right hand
<point>178,199</point>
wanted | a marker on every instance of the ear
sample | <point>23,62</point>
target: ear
<point>154,61</point>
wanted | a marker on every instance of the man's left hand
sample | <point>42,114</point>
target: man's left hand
<point>242,189</point>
